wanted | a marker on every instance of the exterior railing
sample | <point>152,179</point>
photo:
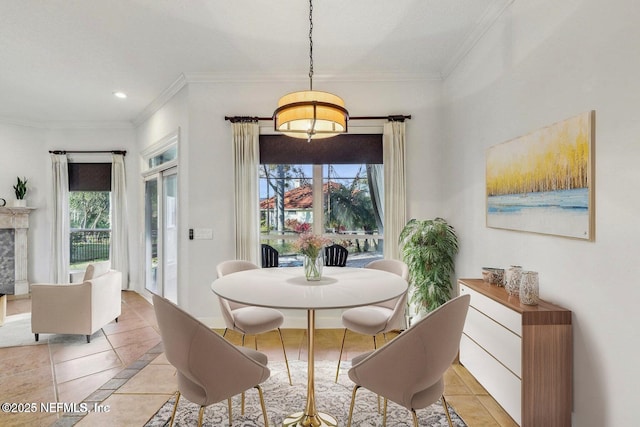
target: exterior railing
<point>89,245</point>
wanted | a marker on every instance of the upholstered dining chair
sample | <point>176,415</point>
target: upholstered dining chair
<point>335,255</point>
<point>409,370</point>
<point>247,319</point>
<point>270,256</point>
<point>209,368</point>
<point>379,318</point>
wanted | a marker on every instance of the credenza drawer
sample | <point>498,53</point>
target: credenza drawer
<point>495,339</point>
<point>498,312</point>
<point>502,384</point>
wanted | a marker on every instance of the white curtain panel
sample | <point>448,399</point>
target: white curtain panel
<point>246,155</point>
<point>119,249</point>
<point>395,211</point>
<point>60,219</point>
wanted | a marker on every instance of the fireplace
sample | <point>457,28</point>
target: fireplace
<point>14,224</point>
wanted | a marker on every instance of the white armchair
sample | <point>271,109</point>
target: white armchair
<point>80,308</point>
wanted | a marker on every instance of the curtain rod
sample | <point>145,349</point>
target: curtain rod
<point>124,153</point>
<point>392,118</point>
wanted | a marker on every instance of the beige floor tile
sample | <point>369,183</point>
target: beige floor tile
<point>75,391</point>
<point>160,360</point>
<point>63,351</point>
<point>131,352</point>
<point>24,382</point>
<point>497,412</point>
<point>152,379</point>
<point>132,337</point>
<point>91,364</point>
<point>21,359</point>
<point>125,410</point>
<point>454,385</point>
<point>469,380</point>
<point>472,411</point>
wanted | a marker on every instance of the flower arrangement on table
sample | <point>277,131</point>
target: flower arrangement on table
<point>310,245</point>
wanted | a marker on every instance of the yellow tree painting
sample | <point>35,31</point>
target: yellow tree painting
<point>543,182</point>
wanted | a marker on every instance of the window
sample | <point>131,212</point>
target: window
<point>89,213</point>
<point>336,198</point>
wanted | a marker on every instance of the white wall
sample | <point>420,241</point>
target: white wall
<point>545,61</point>
<point>26,153</point>
<point>206,162</point>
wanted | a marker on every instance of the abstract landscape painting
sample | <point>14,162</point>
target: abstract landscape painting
<point>543,182</point>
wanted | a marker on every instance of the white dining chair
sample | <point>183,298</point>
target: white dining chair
<point>247,319</point>
<point>410,369</point>
<point>379,318</point>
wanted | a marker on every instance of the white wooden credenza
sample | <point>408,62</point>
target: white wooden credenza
<point>522,355</point>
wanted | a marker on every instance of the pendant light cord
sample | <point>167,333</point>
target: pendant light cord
<point>310,45</point>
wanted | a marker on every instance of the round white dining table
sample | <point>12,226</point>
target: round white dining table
<point>340,287</point>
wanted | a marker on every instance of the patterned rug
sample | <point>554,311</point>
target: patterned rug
<point>281,399</point>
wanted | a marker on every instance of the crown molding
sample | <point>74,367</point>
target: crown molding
<point>59,125</point>
<point>486,21</point>
<point>162,99</point>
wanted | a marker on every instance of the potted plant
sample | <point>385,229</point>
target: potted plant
<point>428,248</point>
<point>21,190</point>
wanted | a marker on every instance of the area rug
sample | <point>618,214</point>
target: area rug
<point>281,399</point>
<point>16,331</point>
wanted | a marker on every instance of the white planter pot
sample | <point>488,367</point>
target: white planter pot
<point>19,203</point>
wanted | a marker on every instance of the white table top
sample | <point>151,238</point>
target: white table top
<point>286,287</point>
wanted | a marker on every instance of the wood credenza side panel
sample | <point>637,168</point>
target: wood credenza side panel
<point>547,371</point>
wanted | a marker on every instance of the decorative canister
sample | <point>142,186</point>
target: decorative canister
<point>512,280</point>
<point>529,288</point>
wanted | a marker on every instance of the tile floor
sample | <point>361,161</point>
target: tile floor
<point>123,369</point>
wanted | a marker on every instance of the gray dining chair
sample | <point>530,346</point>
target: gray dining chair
<point>409,370</point>
<point>379,318</point>
<point>209,368</point>
<point>247,319</point>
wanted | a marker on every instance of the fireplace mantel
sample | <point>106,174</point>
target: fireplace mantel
<point>14,254</point>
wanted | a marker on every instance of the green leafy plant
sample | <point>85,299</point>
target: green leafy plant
<point>429,248</point>
<point>20,188</point>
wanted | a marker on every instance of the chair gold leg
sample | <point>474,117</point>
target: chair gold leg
<point>384,414</point>
<point>375,347</point>
<point>230,413</point>
<point>242,340</point>
<point>200,415</point>
<point>353,400</point>
<point>286,362</point>
<point>175,406</point>
<point>340,357</point>
<point>264,408</point>
<point>446,410</point>
<point>415,418</point>
<point>242,404</point>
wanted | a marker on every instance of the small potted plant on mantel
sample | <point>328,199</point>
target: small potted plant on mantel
<point>21,190</point>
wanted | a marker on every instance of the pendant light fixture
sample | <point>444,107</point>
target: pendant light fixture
<point>311,114</point>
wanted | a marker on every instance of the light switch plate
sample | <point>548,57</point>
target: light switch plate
<point>202,233</point>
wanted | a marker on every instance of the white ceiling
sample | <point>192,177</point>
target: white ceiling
<point>60,60</point>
